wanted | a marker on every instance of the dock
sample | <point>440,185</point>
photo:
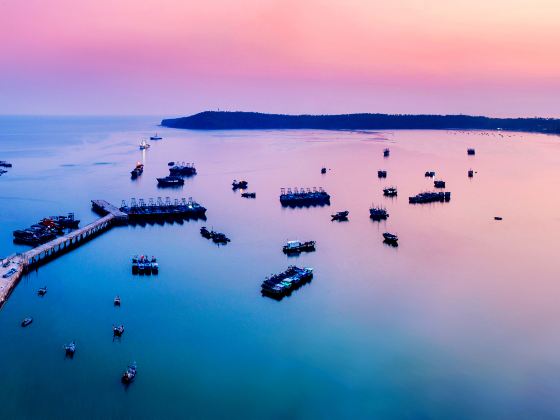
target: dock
<point>25,261</point>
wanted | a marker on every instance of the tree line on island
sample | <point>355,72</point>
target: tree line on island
<point>224,120</point>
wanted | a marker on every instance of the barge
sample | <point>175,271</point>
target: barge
<point>430,197</point>
<point>280,285</point>
<point>304,197</point>
<point>158,209</point>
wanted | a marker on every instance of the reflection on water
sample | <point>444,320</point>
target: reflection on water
<point>458,321</point>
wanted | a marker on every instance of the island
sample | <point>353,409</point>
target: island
<point>237,120</point>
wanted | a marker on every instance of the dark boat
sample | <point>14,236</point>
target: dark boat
<point>137,171</point>
<point>323,170</point>
<point>249,195</point>
<point>205,232</point>
<point>239,184</point>
<point>135,264</point>
<point>390,238</point>
<point>304,197</point>
<point>340,216</point>
<point>378,213</point>
<point>5,164</point>
<point>154,265</point>
<point>279,285</point>
<point>26,322</point>
<point>170,163</point>
<point>430,174</point>
<point>498,218</point>
<point>439,184</point>
<point>471,152</point>
<point>118,331</point>
<point>129,374</point>
<point>182,169</point>
<point>295,247</point>
<point>66,222</point>
<point>155,137</point>
<point>386,153</point>
<point>381,174</point>
<point>470,173</point>
<point>390,192</point>
<point>117,301</point>
<point>430,197</point>
<point>220,238</point>
<point>170,181</point>
<point>42,291</point>
<point>70,349</point>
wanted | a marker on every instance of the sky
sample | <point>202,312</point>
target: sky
<point>178,57</point>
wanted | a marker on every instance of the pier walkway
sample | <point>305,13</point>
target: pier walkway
<point>14,266</point>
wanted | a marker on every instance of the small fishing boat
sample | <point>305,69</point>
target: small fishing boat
<point>439,184</point>
<point>137,171</point>
<point>386,152</point>
<point>340,216</point>
<point>154,265</point>
<point>295,247</point>
<point>471,152</point>
<point>381,174</point>
<point>430,174</point>
<point>378,213</point>
<point>155,137</point>
<point>118,331</point>
<point>5,164</point>
<point>144,145</point>
<point>249,195</point>
<point>70,349</point>
<point>239,184</point>
<point>26,322</point>
<point>470,173</point>
<point>170,181</point>
<point>117,301</point>
<point>205,232</point>
<point>390,192</point>
<point>390,238</point>
<point>170,163</point>
<point>323,170</point>
<point>498,218</point>
<point>220,238</point>
<point>42,291</point>
<point>129,374</point>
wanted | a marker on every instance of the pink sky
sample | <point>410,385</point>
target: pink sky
<point>165,57</point>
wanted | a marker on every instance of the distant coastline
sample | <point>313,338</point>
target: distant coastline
<point>223,120</point>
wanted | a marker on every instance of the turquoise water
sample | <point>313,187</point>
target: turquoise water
<point>459,321</point>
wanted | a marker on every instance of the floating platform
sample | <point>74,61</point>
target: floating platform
<point>280,285</point>
<point>159,209</point>
<point>300,197</point>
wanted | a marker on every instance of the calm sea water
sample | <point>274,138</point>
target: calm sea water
<point>459,321</point>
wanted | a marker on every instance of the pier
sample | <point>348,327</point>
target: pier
<point>19,264</point>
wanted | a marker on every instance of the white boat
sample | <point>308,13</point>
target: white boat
<point>156,137</point>
<point>144,145</point>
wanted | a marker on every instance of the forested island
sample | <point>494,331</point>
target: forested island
<point>223,120</point>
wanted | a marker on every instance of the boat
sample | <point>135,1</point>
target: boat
<point>129,374</point>
<point>70,349</point>
<point>381,174</point>
<point>220,238</point>
<point>65,222</point>
<point>249,195</point>
<point>170,181</point>
<point>118,331</point>
<point>117,301</point>
<point>137,171</point>
<point>42,291</point>
<point>340,216</point>
<point>170,163</point>
<point>378,213</point>
<point>390,238</point>
<point>471,152</point>
<point>386,152</point>
<point>239,184</point>
<point>5,164</point>
<point>295,247</point>
<point>144,145</point>
<point>498,218</point>
<point>26,322</point>
<point>135,264</point>
<point>205,232</point>
<point>430,174</point>
<point>470,173</point>
<point>154,265</point>
<point>304,197</point>
<point>323,170</point>
<point>439,184</point>
<point>430,197</point>
<point>155,137</point>
<point>280,285</point>
<point>182,169</point>
<point>390,192</point>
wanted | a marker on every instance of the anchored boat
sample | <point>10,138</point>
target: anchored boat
<point>42,291</point>
<point>239,185</point>
<point>390,238</point>
<point>296,247</point>
<point>129,374</point>
<point>118,331</point>
<point>26,322</point>
<point>170,181</point>
<point>249,195</point>
<point>280,285</point>
<point>155,137</point>
<point>70,349</point>
<point>381,174</point>
<point>144,145</point>
<point>378,213</point>
<point>340,216</point>
<point>390,192</point>
<point>304,197</point>
<point>137,171</point>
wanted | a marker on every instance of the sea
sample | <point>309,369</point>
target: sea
<point>459,321</point>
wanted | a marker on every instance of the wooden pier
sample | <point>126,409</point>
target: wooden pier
<point>41,254</point>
